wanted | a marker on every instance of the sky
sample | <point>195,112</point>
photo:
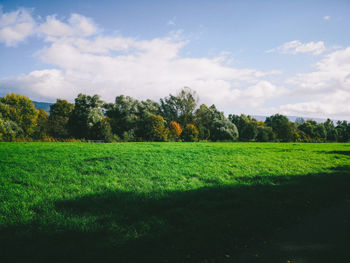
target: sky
<point>253,57</point>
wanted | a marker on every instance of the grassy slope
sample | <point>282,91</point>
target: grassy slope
<point>181,202</point>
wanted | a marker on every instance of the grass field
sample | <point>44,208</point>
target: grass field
<point>159,202</point>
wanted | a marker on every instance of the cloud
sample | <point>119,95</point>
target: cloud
<point>295,47</point>
<point>81,59</point>
<point>326,18</point>
<point>16,26</point>
<point>111,66</point>
<point>325,91</point>
<point>77,25</point>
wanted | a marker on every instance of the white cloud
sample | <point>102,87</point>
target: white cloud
<point>83,60</point>
<point>16,26</point>
<point>295,47</point>
<point>77,25</point>
<point>326,91</point>
<point>111,66</point>
<point>326,18</point>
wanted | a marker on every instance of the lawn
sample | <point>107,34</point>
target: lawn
<point>159,202</point>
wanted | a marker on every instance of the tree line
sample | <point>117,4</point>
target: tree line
<point>174,118</point>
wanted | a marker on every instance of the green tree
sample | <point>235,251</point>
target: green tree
<point>58,119</point>
<point>332,134</point>
<point>223,130</point>
<point>21,110</point>
<point>9,130</point>
<point>265,134</point>
<point>246,125</point>
<point>122,114</point>
<point>282,127</point>
<point>143,120</point>
<point>101,130</point>
<point>179,108</point>
<point>204,118</point>
<point>41,128</point>
<point>190,133</point>
<point>313,131</point>
<point>343,131</point>
<point>158,130</point>
<point>86,114</point>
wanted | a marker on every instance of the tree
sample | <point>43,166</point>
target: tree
<point>265,134</point>
<point>190,133</point>
<point>158,131</point>
<point>282,127</point>
<point>313,131</point>
<point>87,112</point>
<point>21,110</point>
<point>246,125</point>
<point>143,120</point>
<point>122,114</point>
<point>179,108</point>
<point>343,131</point>
<point>41,128</point>
<point>204,117</point>
<point>101,130</point>
<point>58,119</point>
<point>9,130</point>
<point>175,130</point>
<point>224,130</point>
<point>332,134</point>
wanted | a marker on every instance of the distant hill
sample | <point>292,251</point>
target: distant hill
<point>42,105</point>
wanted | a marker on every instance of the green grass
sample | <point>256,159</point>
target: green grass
<point>159,202</point>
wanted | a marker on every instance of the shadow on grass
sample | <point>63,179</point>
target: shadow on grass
<point>212,224</point>
<point>337,152</point>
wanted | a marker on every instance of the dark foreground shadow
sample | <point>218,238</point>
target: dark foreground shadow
<point>213,224</point>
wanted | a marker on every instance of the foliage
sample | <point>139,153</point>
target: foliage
<point>59,117</point>
<point>282,127</point>
<point>265,134</point>
<point>41,128</point>
<point>223,130</point>
<point>190,133</point>
<point>158,131</point>
<point>9,130</point>
<point>246,125</point>
<point>86,114</point>
<point>122,114</point>
<point>204,117</point>
<point>331,130</point>
<point>143,126</point>
<point>343,131</point>
<point>101,130</point>
<point>175,130</point>
<point>128,119</point>
<point>313,130</point>
<point>21,110</point>
<point>179,108</point>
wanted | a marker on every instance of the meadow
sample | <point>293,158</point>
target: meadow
<point>159,202</point>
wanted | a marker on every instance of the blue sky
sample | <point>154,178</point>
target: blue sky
<point>255,57</point>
